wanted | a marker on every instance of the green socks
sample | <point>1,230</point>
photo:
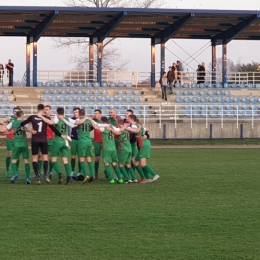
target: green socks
<point>67,169</point>
<point>83,168</point>
<point>148,170</point>
<point>39,167</point>
<point>109,173</point>
<point>27,170</point>
<point>56,167</point>
<point>14,168</point>
<point>132,173</point>
<point>140,171</point>
<point>91,169</point>
<point>96,167</point>
<point>79,166</point>
<point>117,171</point>
<point>146,173</point>
<point>7,163</point>
<point>124,173</point>
<point>73,163</point>
<point>50,166</point>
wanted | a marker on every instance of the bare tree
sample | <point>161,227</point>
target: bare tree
<point>112,58</point>
<point>231,66</point>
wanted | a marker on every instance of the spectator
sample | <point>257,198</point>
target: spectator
<point>178,67</point>
<point>170,78</point>
<point>10,67</point>
<point>2,74</point>
<point>163,81</point>
<point>201,73</point>
<point>174,69</point>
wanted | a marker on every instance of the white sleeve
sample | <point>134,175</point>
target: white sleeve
<point>55,120</point>
<point>134,126</point>
<point>69,123</point>
<point>9,126</point>
<point>117,129</point>
<point>102,129</point>
<point>72,121</point>
<point>102,125</point>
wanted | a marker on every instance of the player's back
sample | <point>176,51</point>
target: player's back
<point>108,140</point>
<point>124,141</point>
<point>62,128</point>
<point>20,135</point>
<point>84,130</point>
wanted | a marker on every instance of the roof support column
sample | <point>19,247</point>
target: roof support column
<point>153,65</point>
<point>224,63</point>
<point>35,44</point>
<point>91,60</point>
<point>162,58</point>
<point>213,62</point>
<point>99,58</point>
<point>28,64</point>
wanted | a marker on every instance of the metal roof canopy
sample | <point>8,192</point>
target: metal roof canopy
<point>160,25</point>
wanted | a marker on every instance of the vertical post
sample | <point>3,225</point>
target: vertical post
<point>91,59</point>
<point>162,58</point>
<point>224,63</point>
<point>35,64</point>
<point>28,64</point>
<point>214,61</point>
<point>99,58</point>
<point>153,65</point>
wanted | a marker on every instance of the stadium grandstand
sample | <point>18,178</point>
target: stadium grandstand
<point>229,100</point>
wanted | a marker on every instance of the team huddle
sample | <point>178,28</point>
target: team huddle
<point>123,145</point>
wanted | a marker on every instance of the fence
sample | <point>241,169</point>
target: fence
<point>4,77</point>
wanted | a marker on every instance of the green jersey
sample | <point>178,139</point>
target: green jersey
<point>112,121</point>
<point>108,141</point>
<point>84,130</point>
<point>20,135</point>
<point>62,128</point>
<point>124,141</point>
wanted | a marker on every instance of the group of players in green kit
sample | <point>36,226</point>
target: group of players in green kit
<point>123,145</point>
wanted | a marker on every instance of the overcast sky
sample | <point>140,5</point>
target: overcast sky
<point>137,51</point>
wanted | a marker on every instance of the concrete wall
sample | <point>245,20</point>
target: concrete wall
<point>199,130</point>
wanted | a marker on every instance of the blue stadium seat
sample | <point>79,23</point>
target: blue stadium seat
<point>212,108</point>
<point>219,93</point>
<point>242,85</point>
<point>56,84</point>
<point>247,113</point>
<point>187,112</point>
<point>73,84</point>
<point>250,86</point>
<point>195,113</point>
<point>40,84</point>
<point>211,93</point>
<point>95,99</point>
<point>203,100</point>
<point>79,99</point>
<point>54,99</point>
<point>252,100</point>
<point>11,106</point>
<point>236,99</point>
<point>45,99</point>
<point>120,92</point>
<point>129,92</point>
<point>120,99</point>
<point>229,113</point>
<point>203,93</point>
<point>129,85</point>
<point>62,99</point>
<point>48,84</point>
<point>194,85</point>
<point>234,85</point>
<point>202,85</point>
<point>177,85</point>
<point>96,85</point>
<point>203,113</point>
<point>121,84</point>
<point>178,93</point>
<point>81,85</point>
<point>64,91</point>
<point>137,100</point>
<point>178,99</point>
<point>104,99</point>
<point>87,99</point>
<point>228,107</point>
<point>257,86</point>
<point>104,84</point>
<point>210,85</point>
<point>186,92</point>
<point>88,85</point>
<point>227,93</point>
<point>112,99</point>
<point>104,92</point>
<point>112,85</point>
<point>220,100</point>
<point>228,99</point>
<point>245,107</point>
<point>186,85</point>
<point>64,84</point>
<point>244,99</point>
<point>194,93</point>
<point>80,92</point>
<point>71,99</point>
<point>195,100</point>
<point>97,92</point>
<point>89,92</point>
<point>129,100</point>
<point>72,92</point>
<point>47,92</point>
<point>212,100</point>
<point>213,113</point>
<point>218,85</point>
<point>186,100</point>
<point>226,85</point>
<point>137,93</point>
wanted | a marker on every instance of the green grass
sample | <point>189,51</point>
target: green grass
<point>205,206</point>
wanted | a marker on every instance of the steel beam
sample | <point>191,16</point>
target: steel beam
<point>40,29</point>
<point>35,64</point>
<point>214,61</point>
<point>91,59</point>
<point>167,33</point>
<point>153,65</point>
<point>99,63</point>
<point>224,63</point>
<point>28,64</point>
<point>103,32</point>
<point>226,36</point>
<point>162,58</point>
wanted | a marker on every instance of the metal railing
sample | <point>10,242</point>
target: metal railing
<point>4,77</point>
<point>154,113</point>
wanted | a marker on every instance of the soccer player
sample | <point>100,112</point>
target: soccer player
<point>97,141</point>
<point>125,153</point>
<point>144,152</point>
<point>84,127</point>
<point>109,152</point>
<point>10,141</point>
<point>74,144</point>
<point>20,146</point>
<point>60,145</point>
<point>39,141</point>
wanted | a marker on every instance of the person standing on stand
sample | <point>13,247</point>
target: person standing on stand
<point>2,74</point>
<point>170,79</point>
<point>163,82</point>
<point>10,67</point>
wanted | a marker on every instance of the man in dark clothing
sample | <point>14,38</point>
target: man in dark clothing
<point>201,73</point>
<point>170,79</point>
<point>178,67</point>
<point>2,74</point>
<point>10,67</point>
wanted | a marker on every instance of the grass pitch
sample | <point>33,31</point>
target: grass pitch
<point>205,206</point>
